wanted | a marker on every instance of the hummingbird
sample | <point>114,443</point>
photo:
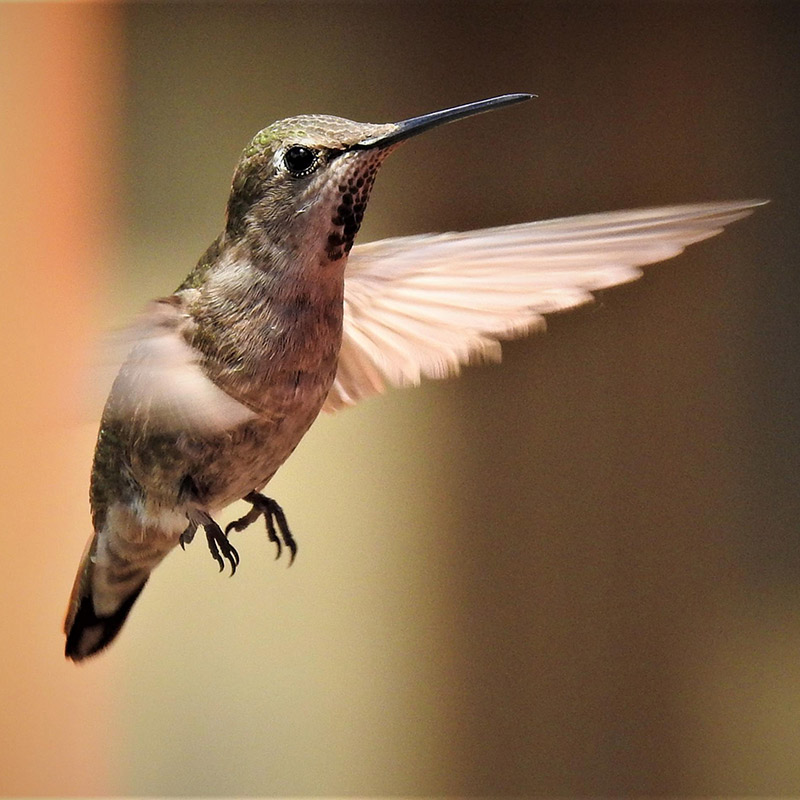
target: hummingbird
<point>282,317</point>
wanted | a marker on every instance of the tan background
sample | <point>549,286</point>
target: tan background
<point>577,573</point>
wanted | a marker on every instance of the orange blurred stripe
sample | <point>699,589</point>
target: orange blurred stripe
<point>61,77</point>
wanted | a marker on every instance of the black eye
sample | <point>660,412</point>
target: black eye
<point>300,160</point>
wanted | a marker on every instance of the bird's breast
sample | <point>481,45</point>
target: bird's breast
<point>270,337</point>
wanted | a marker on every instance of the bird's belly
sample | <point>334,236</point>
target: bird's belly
<point>250,457</point>
<point>227,467</point>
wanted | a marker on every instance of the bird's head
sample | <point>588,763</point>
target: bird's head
<point>306,179</point>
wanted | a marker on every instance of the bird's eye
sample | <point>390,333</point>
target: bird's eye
<point>300,160</point>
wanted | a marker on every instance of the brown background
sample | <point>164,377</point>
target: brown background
<point>576,573</point>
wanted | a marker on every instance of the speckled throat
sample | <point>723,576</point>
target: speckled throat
<point>353,196</point>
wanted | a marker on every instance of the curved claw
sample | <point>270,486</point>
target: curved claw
<point>283,524</point>
<point>187,535</point>
<point>272,534</point>
<point>218,541</point>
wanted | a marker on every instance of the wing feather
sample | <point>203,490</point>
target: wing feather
<point>421,306</point>
<point>161,383</point>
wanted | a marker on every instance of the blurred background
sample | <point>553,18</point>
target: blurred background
<point>577,572</point>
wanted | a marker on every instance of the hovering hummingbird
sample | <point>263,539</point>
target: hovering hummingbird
<point>282,318</point>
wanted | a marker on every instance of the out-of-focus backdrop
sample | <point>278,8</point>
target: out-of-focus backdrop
<point>574,573</point>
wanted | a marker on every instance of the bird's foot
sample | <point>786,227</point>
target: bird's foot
<point>274,518</point>
<point>218,543</point>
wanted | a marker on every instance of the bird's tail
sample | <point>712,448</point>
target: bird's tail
<point>104,592</point>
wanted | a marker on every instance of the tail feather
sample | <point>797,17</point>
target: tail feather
<point>88,631</point>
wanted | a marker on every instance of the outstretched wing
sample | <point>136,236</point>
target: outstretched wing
<point>420,306</point>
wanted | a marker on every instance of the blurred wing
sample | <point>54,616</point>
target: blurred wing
<point>161,384</point>
<point>420,306</point>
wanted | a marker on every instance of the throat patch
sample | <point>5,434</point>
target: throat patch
<point>353,196</point>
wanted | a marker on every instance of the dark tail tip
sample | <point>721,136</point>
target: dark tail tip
<point>90,633</point>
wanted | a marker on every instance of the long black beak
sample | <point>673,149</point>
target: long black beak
<point>411,127</point>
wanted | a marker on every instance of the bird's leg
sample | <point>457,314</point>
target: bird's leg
<point>274,518</point>
<point>218,543</point>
